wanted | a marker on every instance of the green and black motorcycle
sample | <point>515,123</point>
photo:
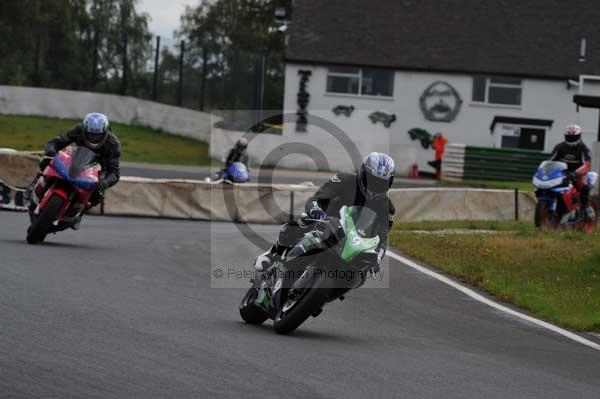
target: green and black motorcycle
<point>334,256</point>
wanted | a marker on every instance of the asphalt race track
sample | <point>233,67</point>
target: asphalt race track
<point>123,309</point>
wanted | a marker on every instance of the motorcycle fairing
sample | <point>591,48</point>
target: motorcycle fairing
<point>551,174</point>
<point>354,244</point>
<point>74,167</point>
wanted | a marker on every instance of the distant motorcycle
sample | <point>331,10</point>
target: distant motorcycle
<point>334,256</point>
<point>237,172</point>
<point>558,202</point>
<point>62,192</point>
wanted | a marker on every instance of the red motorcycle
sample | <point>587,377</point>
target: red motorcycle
<point>62,192</point>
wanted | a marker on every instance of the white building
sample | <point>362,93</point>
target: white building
<point>491,74</point>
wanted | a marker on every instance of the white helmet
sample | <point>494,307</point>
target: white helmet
<point>95,130</point>
<point>573,135</point>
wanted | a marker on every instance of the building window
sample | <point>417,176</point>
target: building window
<point>504,91</point>
<point>360,81</point>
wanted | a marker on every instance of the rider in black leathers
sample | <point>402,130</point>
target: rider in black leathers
<point>348,189</point>
<point>95,134</point>
<point>578,158</point>
<point>238,153</point>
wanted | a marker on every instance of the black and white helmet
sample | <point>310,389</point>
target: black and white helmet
<point>573,134</point>
<point>376,175</point>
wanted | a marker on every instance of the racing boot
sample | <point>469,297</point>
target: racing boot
<point>77,223</point>
<point>590,215</point>
<point>588,212</point>
<point>264,261</point>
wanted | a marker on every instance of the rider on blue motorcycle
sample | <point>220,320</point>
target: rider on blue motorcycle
<point>367,188</point>
<point>578,158</point>
<point>236,154</point>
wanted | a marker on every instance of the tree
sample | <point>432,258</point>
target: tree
<point>72,44</point>
<point>230,35</point>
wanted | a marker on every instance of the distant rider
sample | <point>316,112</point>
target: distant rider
<point>578,158</point>
<point>237,154</point>
<point>95,134</point>
<point>367,188</point>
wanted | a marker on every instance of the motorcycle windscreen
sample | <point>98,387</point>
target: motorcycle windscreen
<point>81,159</point>
<point>365,221</point>
<point>552,169</point>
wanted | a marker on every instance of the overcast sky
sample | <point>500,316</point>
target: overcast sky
<point>164,14</point>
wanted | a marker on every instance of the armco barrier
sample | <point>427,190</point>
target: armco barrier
<point>453,164</point>
<point>191,199</point>
<point>439,204</point>
<point>18,169</point>
<point>261,203</point>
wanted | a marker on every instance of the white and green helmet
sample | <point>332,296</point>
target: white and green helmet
<point>376,175</point>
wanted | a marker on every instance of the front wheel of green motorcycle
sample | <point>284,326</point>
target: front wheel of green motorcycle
<point>295,311</point>
<point>249,311</point>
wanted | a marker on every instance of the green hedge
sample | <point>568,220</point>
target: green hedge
<point>501,163</point>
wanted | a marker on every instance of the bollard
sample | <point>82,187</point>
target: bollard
<point>517,204</point>
<point>291,206</point>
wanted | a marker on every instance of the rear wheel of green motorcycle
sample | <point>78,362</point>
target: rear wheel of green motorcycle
<point>310,303</point>
<point>251,313</point>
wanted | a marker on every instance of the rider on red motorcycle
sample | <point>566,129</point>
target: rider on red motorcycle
<point>95,134</point>
<point>578,158</point>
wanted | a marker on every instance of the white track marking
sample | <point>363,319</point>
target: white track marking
<point>495,305</point>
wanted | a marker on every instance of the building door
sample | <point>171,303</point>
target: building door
<point>532,139</point>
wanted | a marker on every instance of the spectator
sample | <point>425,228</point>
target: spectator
<point>439,145</point>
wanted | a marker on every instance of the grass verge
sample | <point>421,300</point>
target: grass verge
<point>139,144</point>
<point>554,275</point>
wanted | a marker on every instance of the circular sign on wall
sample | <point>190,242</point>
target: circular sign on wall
<point>440,102</point>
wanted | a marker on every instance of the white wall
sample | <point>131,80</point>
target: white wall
<point>129,110</point>
<point>541,99</point>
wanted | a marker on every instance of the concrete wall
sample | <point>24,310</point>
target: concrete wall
<point>301,152</point>
<point>541,99</point>
<point>129,110</point>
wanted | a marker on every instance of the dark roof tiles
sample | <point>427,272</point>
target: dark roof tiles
<point>538,38</point>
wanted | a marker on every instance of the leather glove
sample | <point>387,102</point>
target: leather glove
<point>50,152</point>
<point>376,266</point>
<point>101,186</point>
<point>317,213</point>
<point>44,162</point>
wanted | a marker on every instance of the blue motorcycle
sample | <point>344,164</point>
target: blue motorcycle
<point>558,201</point>
<point>237,172</point>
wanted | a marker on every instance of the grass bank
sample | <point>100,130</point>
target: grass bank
<point>555,276</point>
<point>139,144</point>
